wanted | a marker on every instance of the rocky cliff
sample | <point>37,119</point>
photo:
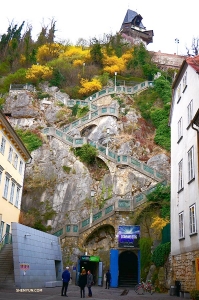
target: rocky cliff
<point>56,175</point>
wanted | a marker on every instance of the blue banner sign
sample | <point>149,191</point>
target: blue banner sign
<point>128,236</point>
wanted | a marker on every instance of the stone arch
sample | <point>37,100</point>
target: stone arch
<point>85,131</point>
<point>85,236</point>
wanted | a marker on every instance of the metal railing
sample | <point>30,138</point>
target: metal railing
<point>7,239</point>
<point>97,216</point>
<point>127,160</point>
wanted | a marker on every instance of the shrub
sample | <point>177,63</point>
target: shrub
<point>158,115</point>
<point>86,153</point>
<point>160,254</point>
<point>145,250</point>
<point>31,140</point>
<point>194,294</point>
<point>82,111</point>
<point>162,136</point>
<point>66,169</point>
<point>41,95</point>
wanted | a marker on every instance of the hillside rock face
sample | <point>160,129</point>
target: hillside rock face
<point>69,193</point>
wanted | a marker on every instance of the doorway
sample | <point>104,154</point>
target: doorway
<point>128,269</point>
<point>58,270</point>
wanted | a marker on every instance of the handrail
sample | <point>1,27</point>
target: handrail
<point>99,215</point>
<point>128,160</point>
<point>7,239</point>
<point>99,112</point>
<point>129,90</point>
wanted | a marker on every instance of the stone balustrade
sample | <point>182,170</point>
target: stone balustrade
<point>96,216</point>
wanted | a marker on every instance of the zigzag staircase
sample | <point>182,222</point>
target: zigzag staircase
<point>125,160</point>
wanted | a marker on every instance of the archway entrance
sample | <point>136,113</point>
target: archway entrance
<point>128,268</point>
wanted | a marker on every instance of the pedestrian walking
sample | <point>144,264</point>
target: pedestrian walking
<point>82,283</point>
<point>65,279</point>
<point>89,283</point>
<point>108,279</point>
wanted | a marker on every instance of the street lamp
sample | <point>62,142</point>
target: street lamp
<point>83,67</point>
<point>90,98</point>
<point>177,42</point>
<point>115,80</point>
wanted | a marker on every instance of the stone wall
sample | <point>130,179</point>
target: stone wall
<point>184,269</point>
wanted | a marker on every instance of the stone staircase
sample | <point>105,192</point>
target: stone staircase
<point>6,267</point>
<point>122,160</point>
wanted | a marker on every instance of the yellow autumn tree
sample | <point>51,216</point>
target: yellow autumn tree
<point>76,54</point>
<point>48,52</point>
<point>113,64</point>
<point>37,73</point>
<point>89,87</point>
<point>159,223</point>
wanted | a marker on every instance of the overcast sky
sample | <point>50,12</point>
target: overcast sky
<point>86,19</point>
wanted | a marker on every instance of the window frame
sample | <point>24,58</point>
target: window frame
<point>189,112</point>
<point>21,164</point>
<point>184,81</point>
<point>15,162</point>
<point>10,154</point>
<point>3,145</point>
<point>180,176</point>
<point>178,92</point>
<point>17,197</point>
<point>181,225</point>
<point>190,159</point>
<point>180,130</point>
<point>6,187</point>
<point>12,191</point>
<point>192,219</point>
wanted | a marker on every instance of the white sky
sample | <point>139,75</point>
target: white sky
<point>169,19</point>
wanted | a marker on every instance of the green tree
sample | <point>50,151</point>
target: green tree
<point>96,52</point>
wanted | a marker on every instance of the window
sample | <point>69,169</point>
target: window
<point>179,92</point>
<point>12,192</point>
<point>1,171</point>
<point>184,82</point>
<point>192,219</point>
<point>3,143</point>
<point>190,112</point>
<point>181,225</point>
<point>20,167</point>
<point>10,154</point>
<point>190,165</point>
<point>180,129</point>
<point>5,193</point>
<point>180,177</point>
<point>1,229</point>
<point>17,197</point>
<point>16,161</point>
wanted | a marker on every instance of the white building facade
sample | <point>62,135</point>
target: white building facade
<point>184,175</point>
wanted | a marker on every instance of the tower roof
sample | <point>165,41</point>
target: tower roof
<point>130,15</point>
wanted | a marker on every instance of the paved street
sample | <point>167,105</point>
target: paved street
<point>99,293</point>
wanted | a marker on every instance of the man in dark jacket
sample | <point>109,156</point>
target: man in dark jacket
<point>108,279</point>
<point>66,279</point>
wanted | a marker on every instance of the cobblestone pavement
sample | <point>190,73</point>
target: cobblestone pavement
<point>99,293</point>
